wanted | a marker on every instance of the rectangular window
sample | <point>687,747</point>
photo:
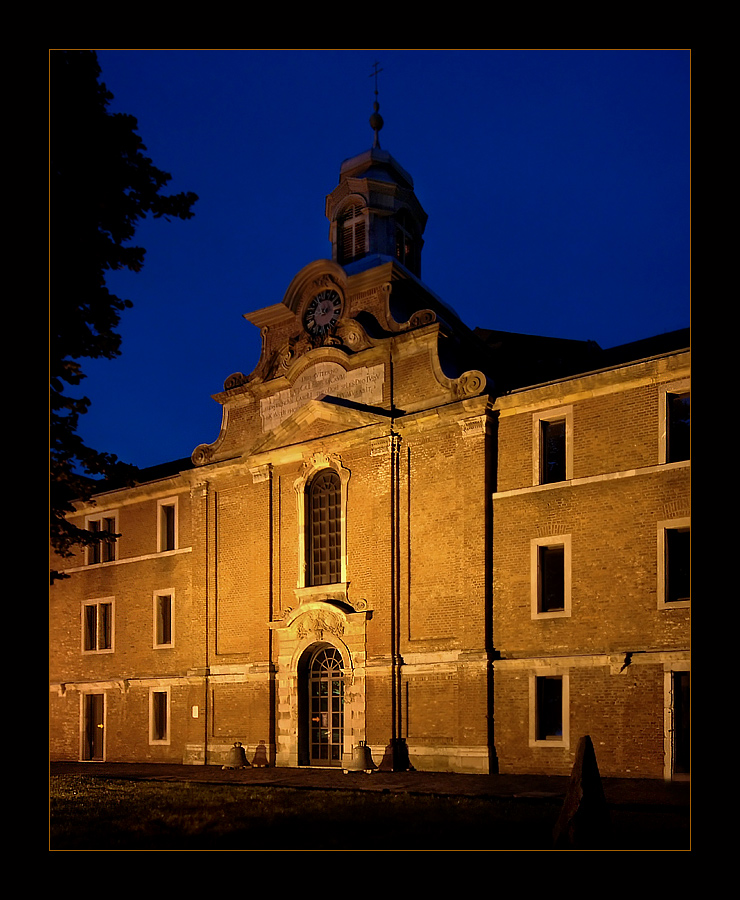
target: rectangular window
<point>164,635</point>
<point>159,716</point>
<point>549,708</point>
<point>553,446</point>
<point>103,550</point>
<point>549,703</point>
<point>675,418</point>
<point>678,564</point>
<point>678,427</point>
<point>551,576</point>
<point>552,579</point>
<point>97,626</point>
<point>674,563</point>
<point>167,525</point>
<point>552,461</point>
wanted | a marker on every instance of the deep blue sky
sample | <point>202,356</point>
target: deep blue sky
<point>556,183</point>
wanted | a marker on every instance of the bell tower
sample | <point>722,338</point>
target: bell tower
<point>373,212</point>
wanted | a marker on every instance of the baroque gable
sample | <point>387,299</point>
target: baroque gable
<point>342,351</point>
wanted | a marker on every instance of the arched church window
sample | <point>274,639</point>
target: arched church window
<point>406,243</point>
<point>324,526</point>
<point>351,233</point>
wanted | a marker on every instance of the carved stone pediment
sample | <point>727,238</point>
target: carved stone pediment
<point>331,594</point>
<point>316,624</point>
<point>319,620</point>
<point>326,412</point>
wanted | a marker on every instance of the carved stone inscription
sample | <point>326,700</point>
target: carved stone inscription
<point>327,379</point>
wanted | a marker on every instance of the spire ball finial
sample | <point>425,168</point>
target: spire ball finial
<point>376,120</point>
<point>376,123</point>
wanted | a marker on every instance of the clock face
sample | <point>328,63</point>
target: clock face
<point>323,313</point>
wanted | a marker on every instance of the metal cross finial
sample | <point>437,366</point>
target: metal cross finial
<point>374,74</point>
<point>376,120</point>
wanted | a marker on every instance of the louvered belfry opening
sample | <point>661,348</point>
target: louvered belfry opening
<point>324,529</point>
<point>352,233</point>
<point>406,244</point>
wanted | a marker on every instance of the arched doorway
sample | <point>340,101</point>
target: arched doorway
<point>322,709</point>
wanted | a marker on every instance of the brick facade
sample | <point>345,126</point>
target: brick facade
<point>616,642</point>
<point>426,641</point>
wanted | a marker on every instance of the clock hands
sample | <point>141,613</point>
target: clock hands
<point>323,313</point>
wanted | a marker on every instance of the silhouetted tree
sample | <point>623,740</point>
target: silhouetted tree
<point>101,186</point>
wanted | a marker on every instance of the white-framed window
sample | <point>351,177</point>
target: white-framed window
<point>674,563</point>
<point>164,619</point>
<point>550,576</point>
<point>97,625</point>
<point>321,493</point>
<point>103,550</point>
<point>167,525</point>
<point>549,706</point>
<point>324,528</point>
<point>552,445</point>
<point>675,422</point>
<point>159,715</point>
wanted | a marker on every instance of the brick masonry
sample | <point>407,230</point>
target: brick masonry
<point>434,615</point>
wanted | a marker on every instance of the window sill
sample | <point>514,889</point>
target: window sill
<point>675,604</point>
<point>98,565</point>
<point>591,479</point>
<point>551,614</point>
<point>128,559</point>
<point>337,591</point>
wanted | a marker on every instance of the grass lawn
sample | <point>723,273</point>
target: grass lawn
<point>92,813</point>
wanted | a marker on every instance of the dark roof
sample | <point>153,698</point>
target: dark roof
<point>669,342</point>
<point>163,470</point>
<point>518,360</point>
<point>141,476</point>
<point>521,360</point>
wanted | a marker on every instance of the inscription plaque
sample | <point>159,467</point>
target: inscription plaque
<point>363,385</point>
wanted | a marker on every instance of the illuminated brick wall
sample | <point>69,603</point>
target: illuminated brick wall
<point>449,515</point>
<point>614,641</point>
